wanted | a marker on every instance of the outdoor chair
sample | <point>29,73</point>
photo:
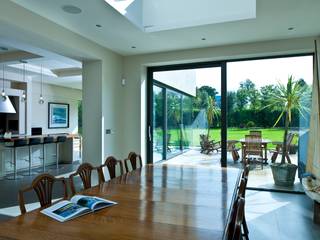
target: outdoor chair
<point>255,133</point>
<point>208,146</point>
<point>253,150</point>
<point>279,148</point>
<point>231,147</point>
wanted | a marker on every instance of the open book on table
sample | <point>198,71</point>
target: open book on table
<point>77,206</point>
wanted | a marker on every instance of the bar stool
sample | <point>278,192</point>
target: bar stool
<point>32,142</point>
<point>60,139</point>
<point>46,141</point>
<point>17,143</point>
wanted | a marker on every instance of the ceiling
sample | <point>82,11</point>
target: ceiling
<point>55,71</point>
<point>273,18</point>
<point>155,15</point>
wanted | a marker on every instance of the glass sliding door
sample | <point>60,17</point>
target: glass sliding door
<point>158,123</point>
<point>174,123</point>
<point>256,93</point>
<point>186,115</point>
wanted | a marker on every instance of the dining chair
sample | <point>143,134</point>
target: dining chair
<point>84,171</point>
<point>245,172</point>
<point>43,186</point>
<point>242,193</point>
<point>133,162</point>
<point>253,149</point>
<point>114,166</point>
<point>234,231</point>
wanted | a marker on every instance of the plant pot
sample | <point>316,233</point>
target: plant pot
<point>284,174</point>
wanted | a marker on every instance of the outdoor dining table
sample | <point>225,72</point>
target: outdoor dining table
<point>154,202</point>
<point>264,144</point>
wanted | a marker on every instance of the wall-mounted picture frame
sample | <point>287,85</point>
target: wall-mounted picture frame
<point>58,115</point>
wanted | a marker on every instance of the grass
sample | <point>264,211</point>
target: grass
<point>193,138</point>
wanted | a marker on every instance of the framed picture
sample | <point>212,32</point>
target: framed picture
<point>58,115</point>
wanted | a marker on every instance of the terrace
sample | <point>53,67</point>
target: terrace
<point>184,112</point>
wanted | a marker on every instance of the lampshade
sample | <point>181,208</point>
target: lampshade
<point>6,106</point>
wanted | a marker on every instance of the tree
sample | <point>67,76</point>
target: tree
<point>212,92</point>
<point>213,112</point>
<point>247,96</point>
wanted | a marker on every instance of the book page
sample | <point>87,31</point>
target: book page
<point>64,210</point>
<point>94,203</point>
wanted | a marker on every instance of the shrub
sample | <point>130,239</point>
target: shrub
<point>250,124</point>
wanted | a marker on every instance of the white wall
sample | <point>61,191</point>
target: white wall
<point>40,35</point>
<point>53,93</point>
<point>135,73</point>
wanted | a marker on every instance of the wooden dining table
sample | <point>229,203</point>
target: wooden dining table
<point>264,144</point>
<point>154,202</point>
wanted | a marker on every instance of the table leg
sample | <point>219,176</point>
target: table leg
<point>316,212</point>
<point>265,153</point>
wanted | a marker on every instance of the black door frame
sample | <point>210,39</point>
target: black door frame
<point>223,65</point>
<point>151,82</point>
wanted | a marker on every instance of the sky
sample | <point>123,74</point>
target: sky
<point>260,72</point>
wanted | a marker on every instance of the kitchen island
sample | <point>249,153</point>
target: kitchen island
<point>66,152</point>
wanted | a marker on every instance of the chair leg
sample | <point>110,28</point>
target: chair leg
<point>15,164</point>
<point>43,157</point>
<point>57,155</point>
<point>30,158</point>
<point>245,228</point>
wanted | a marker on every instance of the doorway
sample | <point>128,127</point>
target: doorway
<point>185,113</point>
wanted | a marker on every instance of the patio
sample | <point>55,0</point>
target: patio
<point>259,178</point>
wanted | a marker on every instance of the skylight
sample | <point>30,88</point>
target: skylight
<point>155,15</point>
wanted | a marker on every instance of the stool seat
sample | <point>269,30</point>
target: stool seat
<point>61,139</point>
<point>19,143</point>
<point>34,141</point>
<point>47,140</point>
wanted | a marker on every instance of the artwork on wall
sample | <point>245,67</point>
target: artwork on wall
<point>58,115</point>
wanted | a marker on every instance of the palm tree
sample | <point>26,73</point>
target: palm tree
<point>213,112</point>
<point>287,98</point>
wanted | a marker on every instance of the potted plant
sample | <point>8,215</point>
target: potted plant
<point>287,98</point>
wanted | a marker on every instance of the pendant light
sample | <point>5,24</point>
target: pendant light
<point>41,100</point>
<point>5,103</point>
<point>24,96</point>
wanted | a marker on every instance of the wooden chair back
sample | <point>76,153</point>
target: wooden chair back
<point>85,172</point>
<point>255,133</point>
<point>290,137</point>
<point>115,168</point>
<point>236,219</point>
<point>43,186</point>
<point>242,187</point>
<point>246,170</point>
<point>133,162</point>
<point>253,145</point>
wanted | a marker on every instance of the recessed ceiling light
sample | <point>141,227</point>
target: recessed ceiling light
<point>133,47</point>
<point>98,25</point>
<point>203,39</point>
<point>71,9</point>
<point>291,28</point>
<point>4,49</point>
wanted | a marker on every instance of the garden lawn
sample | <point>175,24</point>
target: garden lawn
<point>192,136</point>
